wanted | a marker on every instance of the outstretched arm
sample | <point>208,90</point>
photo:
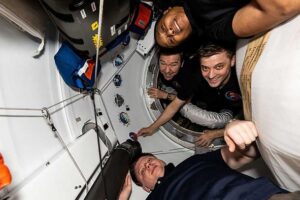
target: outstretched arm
<point>166,116</point>
<point>261,15</point>
<point>204,117</point>
<point>241,134</point>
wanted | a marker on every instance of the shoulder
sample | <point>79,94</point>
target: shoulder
<point>210,157</point>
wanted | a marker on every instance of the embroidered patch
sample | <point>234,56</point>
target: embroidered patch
<point>232,96</point>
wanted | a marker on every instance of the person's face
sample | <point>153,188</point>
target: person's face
<point>173,28</point>
<point>169,65</point>
<point>216,69</point>
<point>148,169</point>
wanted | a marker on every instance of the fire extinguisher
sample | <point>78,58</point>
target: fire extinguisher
<point>5,176</point>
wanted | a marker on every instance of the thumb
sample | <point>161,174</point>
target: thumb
<point>230,143</point>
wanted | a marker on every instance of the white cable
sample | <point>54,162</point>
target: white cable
<point>100,17</point>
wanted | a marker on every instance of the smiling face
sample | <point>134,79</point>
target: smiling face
<point>169,65</point>
<point>173,28</point>
<point>147,170</point>
<point>216,69</point>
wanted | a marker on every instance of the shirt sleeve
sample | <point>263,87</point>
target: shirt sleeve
<point>221,29</point>
<point>187,80</point>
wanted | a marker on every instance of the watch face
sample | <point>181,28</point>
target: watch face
<point>169,96</point>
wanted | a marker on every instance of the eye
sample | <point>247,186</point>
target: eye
<point>204,68</point>
<point>174,64</point>
<point>163,29</point>
<point>219,67</point>
<point>162,64</point>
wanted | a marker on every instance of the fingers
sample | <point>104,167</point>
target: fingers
<point>128,182</point>
<point>152,92</point>
<point>230,143</point>
<point>126,189</point>
<point>241,133</point>
<point>145,132</point>
<point>140,132</point>
<point>156,93</point>
<point>202,141</point>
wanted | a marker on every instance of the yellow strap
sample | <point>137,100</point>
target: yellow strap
<point>254,50</point>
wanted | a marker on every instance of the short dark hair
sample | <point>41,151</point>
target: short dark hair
<point>166,51</point>
<point>209,49</point>
<point>132,166</point>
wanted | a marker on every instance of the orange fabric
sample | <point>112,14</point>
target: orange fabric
<point>5,176</point>
<point>89,71</point>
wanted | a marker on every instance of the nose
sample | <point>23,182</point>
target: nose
<point>167,70</point>
<point>211,74</point>
<point>147,164</point>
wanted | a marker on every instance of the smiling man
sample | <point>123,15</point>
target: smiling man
<point>210,176</point>
<point>221,20</point>
<point>218,98</point>
<point>172,74</point>
<point>176,74</point>
<point>215,91</point>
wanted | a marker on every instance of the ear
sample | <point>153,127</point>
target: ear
<point>146,189</point>
<point>182,63</point>
<point>233,60</point>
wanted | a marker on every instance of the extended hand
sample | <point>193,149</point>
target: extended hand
<point>127,188</point>
<point>157,93</point>
<point>240,133</point>
<point>204,139</point>
<point>148,131</point>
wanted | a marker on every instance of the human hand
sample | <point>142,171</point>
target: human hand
<point>157,93</point>
<point>148,131</point>
<point>205,139</point>
<point>126,189</point>
<point>240,133</point>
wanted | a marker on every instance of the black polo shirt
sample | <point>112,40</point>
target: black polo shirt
<point>216,99</point>
<point>184,81</point>
<point>207,177</point>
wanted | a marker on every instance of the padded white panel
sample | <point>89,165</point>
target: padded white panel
<point>56,181</point>
<point>275,102</point>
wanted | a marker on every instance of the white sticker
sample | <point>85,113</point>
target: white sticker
<point>93,5</point>
<point>125,27</point>
<point>83,15</point>
<point>112,30</point>
<point>119,31</point>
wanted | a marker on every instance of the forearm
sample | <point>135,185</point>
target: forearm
<point>168,113</point>
<point>261,15</point>
<point>204,117</point>
<point>217,133</point>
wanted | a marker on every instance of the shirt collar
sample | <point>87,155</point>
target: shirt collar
<point>168,169</point>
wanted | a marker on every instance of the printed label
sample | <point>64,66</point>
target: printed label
<point>83,15</point>
<point>113,30</point>
<point>93,6</point>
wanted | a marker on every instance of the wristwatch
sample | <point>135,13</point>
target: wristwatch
<point>169,96</point>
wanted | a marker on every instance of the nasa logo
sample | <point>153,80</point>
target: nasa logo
<point>232,96</point>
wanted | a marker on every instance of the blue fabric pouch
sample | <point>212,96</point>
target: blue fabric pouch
<point>76,71</point>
